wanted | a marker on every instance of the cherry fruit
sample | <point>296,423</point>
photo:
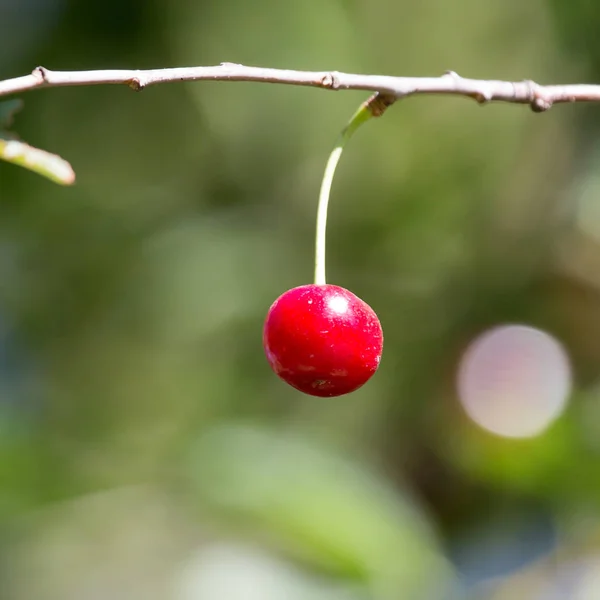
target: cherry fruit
<point>322,340</point>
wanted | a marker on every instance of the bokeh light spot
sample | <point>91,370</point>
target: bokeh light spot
<point>514,380</point>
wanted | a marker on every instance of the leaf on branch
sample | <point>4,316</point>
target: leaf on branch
<point>44,163</point>
<point>14,151</point>
<point>8,109</point>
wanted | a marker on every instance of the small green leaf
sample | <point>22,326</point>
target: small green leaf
<point>44,163</point>
<point>8,109</point>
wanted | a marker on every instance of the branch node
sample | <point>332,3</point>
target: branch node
<point>452,75</point>
<point>537,100</point>
<point>331,81</point>
<point>539,105</point>
<point>136,84</point>
<point>379,102</point>
<point>40,74</point>
<point>483,96</point>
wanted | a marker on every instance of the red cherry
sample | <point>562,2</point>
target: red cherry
<point>323,340</point>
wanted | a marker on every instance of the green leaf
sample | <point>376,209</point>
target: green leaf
<point>318,506</point>
<point>44,163</point>
<point>8,109</point>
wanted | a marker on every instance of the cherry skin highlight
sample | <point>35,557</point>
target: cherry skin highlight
<point>322,340</point>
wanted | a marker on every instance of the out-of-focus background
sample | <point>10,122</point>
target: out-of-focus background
<point>146,449</point>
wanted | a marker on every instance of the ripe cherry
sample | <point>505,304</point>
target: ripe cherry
<point>322,339</point>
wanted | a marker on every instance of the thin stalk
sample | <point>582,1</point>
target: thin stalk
<point>364,113</point>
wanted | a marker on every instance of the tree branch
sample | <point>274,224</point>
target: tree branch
<point>539,97</point>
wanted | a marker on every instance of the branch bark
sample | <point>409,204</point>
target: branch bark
<point>538,97</point>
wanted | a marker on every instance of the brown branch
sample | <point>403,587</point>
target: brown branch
<point>539,97</point>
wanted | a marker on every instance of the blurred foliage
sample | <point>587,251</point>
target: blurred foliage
<point>146,449</point>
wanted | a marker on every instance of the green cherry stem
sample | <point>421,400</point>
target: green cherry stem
<point>364,113</point>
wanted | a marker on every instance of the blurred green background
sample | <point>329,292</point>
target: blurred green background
<point>146,449</point>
